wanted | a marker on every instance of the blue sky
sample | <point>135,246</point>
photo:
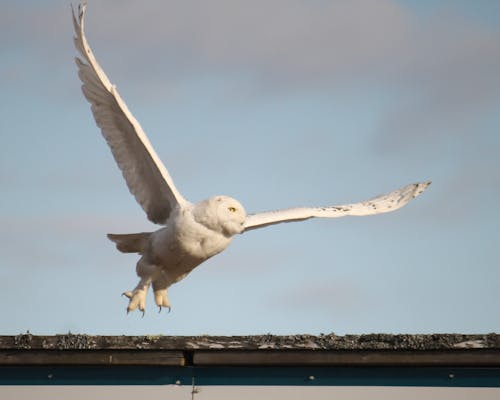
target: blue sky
<point>277,103</point>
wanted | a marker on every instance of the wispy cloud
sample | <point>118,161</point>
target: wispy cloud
<point>327,296</point>
<point>304,41</point>
<point>291,41</point>
<point>439,69</point>
<point>442,66</point>
<point>448,84</point>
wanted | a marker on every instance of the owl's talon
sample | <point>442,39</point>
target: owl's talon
<point>137,299</point>
<point>161,298</point>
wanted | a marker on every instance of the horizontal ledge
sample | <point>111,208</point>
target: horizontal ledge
<point>92,357</point>
<point>462,358</point>
<point>367,342</point>
<point>320,358</point>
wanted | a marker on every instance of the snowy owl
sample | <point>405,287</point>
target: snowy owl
<point>190,233</point>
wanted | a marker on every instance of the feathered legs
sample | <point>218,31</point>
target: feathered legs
<point>160,284</point>
<point>146,272</point>
<point>150,274</point>
<point>138,296</point>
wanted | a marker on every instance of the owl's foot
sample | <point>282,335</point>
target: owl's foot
<point>161,299</point>
<point>137,299</point>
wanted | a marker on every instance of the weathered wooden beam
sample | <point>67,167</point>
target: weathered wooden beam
<point>92,357</point>
<point>262,350</point>
<point>257,342</point>
<point>463,358</point>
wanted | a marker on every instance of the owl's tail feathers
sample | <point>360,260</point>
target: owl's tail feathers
<point>131,243</point>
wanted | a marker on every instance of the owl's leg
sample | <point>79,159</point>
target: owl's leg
<point>137,296</point>
<point>160,285</point>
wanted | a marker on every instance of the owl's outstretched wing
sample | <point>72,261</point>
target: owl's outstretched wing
<point>378,205</point>
<point>146,176</point>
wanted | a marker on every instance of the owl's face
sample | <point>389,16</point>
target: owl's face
<point>222,214</point>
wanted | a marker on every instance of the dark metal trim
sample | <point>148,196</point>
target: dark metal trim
<point>272,376</point>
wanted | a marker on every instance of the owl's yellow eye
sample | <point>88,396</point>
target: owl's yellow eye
<point>231,209</point>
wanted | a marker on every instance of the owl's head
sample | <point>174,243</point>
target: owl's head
<point>222,214</point>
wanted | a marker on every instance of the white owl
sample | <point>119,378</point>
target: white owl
<point>190,233</point>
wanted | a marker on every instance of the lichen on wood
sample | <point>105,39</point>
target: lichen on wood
<point>330,341</point>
